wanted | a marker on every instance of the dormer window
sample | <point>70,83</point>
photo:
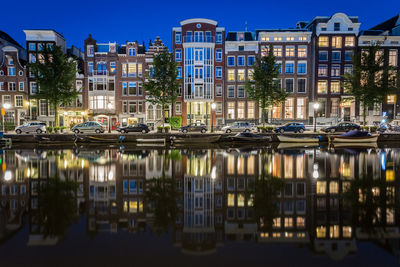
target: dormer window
<point>323,29</point>
<point>350,29</point>
<point>90,50</point>
<point>132,52</point>
<point>336,27</point>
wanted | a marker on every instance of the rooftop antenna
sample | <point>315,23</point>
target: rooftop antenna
<point>245,26</point>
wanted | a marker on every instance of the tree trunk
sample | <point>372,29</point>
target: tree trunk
<point>55,115</point>
<point>364,115</point>
<point>263,116</point>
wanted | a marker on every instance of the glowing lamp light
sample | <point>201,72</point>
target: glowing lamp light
<point>110,175</point>
<point>6,105</point>
<point>109,105</point>
<point>315,175</point>
<point>316,106</point>
<point>213,106</point>
<point>7,175</point>
<point>214,173</point>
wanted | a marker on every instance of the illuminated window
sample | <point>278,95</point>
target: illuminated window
<point>290,51</point>
<point>300,165</point>
<point>250,110</point>
<point>302,51</point>
<point>133,206</point>
<point>301,108</point>
<point>277,38</point>
<point>288,222</point>
<point>231,110</point>
<point>322,70</point>
<point>132,69</point>
<point>322,87</point>
<point>290,38</point>
<point>250,165</point>
<point>349,41</point>
<point>276,112</point>
<point>240,200</point>
<point>277,51</point>
<point>334,231</point>
<point>335,87</point>
<point>333,188</point>
<point>393,58</point>
<point>335,71</point>
<point>390,215</point>
<point>323,41</point>
<point>390,176</point>
<point>300,222</point>
<point>321,187</point>
<point>241,75</point>
<point>231,75</point>
<point>265,39</point>
<point>277,222</point>
<point>264,51</point>
<point>346,231</point>
<point>337,42</point>
<point>240,110</point>
<point>321,232</point>
<point>289,108</point>
<point>231,200</point>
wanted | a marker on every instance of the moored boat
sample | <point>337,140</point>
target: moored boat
<point>354,136</point>
<point>250,137</point>
<point>195,139</point>
<point>151,142</point>
<point>295,139</point>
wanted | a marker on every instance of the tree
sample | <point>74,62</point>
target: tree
<point>264,86</point>
<point>371,80</point>
<point>54,73</point>
<point>162,84</point>
<point>57,206</point>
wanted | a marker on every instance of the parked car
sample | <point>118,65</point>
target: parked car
<point>194,127</point>
<point>140,127</point>
<point>291,127</point>
<point>31,127</point>
<point>238,127</point>
<point>88,126</point>
<point>342,127</point>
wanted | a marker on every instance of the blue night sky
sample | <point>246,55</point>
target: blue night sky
<point>120,21</point>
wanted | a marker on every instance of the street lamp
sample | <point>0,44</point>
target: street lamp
<point>3,112</point>
<point>213,106</point>
<point>109,105</point>
<point>316,107</point>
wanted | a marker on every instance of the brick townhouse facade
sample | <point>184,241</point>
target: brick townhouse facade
<point>198,47</point>
<point>213,66</point>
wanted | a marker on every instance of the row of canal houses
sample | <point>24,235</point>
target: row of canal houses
<point>213,196</point>
<point>213,65</point>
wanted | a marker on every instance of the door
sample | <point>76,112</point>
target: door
<point>346,114</point>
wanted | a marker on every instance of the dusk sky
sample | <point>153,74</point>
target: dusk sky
<point>143,20</point>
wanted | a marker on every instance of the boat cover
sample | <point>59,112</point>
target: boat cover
<point>356,133</point>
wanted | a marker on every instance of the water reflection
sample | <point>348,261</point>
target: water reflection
<point>327,200</point>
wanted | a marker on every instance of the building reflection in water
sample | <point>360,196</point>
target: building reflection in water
<point>324,199</point>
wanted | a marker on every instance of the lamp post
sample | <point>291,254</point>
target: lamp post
<point>213,106</point>
<point>316,107</point>
<point>109,105</point>
<point>3,113</point>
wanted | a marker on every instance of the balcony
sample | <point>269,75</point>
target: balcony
<point>198,39</point>
<point>198,97</point>
<point>102,73</point>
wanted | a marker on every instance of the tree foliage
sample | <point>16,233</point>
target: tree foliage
<point>264,85</point>
<point>371,80</point>
<point>162,84</point>
<point>54,73</point>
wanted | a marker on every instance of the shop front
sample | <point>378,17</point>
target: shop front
<point>70,118</point>
<point>105,120</point>
<point>199,112</point>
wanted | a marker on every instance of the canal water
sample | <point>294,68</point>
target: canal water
<point>236,206</point>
